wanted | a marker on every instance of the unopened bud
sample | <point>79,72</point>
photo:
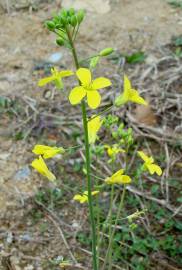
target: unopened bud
<point>106,51</point>
<point>71,11</point>
<point>73,21</point>
<point>80,16</point>
<point>64,12</point>
<point>63,20</point>
<point>50,25</point>
<point>60,42</point>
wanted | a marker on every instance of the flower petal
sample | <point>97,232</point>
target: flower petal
<point>80,198</point>
<point>47,151</point>
<point>95,192</point>
<point>93,99</point>
<point>143,156</point>
<point>46,80</point>
<point>41,167</point>
<point>125,179</point>
<point>93,127</point>
<point>127,83</point>
<point>100,83</point>
<point>135,97</point>
<point>84,75</point>
<point>76,95</point>
<point>153,168</point>
<point>65,73</point>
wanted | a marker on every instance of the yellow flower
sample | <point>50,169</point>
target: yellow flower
<point>47,151</point>
<point>84,198</point>
<point>113,150</point>
<point>149,164</point>
<point>56,77</point>
<point>118,178</point>
<point>88,88</point>
<point>65,264</point>
<point>41,167</point>
<point>129,94</point>
<point>94,125</point>
<point>136,215</point>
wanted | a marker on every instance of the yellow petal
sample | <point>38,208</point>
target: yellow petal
<point>76,95</point>
<point>124,97</point>
<point>84,75</point>
<point>41,167</point>
<point>120,179</point>
<point>125,179</point>
<point>135,97</point>
<point>46,80</point>
<point>95,192</point>
<point>65,73</point>
<point>127,83</point>
<point>100,83</point>
<point>115,177</point>
<point>153,168</point>
<point>93,127</point>
<point>93,99</point>
<point>80,198</point>
<point>54,71</point>
<point>143,156</point>
<point>47,151</point>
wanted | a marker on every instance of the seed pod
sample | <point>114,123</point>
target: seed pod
<point>106,51</point>
<point>73,21</point>
<point>80,16</point>
<point>60,41</point>
<point>50,25</point>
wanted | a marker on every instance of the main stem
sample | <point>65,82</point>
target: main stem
<point>89,186</point>
<point>114,229</point>
<point>88,163</point>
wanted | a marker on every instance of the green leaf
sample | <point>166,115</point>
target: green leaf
<point>154,189</point>
<point>179,199</point>
<point>135,58</point>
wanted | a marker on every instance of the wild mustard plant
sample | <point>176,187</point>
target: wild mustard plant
<point>66,25</point>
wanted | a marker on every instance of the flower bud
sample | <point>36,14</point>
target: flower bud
<point>80,16</point>
<point>71,11</point>
<point>60,41</point>
<point>64,13</point>
<point>50,25</point>
<point>64,20</point>
<point>73,21</point>
<point>106,51</point>
<point>94,61</point>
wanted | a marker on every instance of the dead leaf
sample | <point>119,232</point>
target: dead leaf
<point>145,115</point>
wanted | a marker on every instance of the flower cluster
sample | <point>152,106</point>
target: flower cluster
<point>89,88</point>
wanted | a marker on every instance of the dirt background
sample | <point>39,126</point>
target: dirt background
<point>25,45</point>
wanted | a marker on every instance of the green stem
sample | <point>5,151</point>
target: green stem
<point>88,162</point>
<point>73,48</point>
<point>110,225</point>
<point>114,229</point>
<point>103,112</point>
<point>89,186</point>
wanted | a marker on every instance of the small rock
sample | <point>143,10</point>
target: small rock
<point>23,173</point>
<point>55,57</point>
